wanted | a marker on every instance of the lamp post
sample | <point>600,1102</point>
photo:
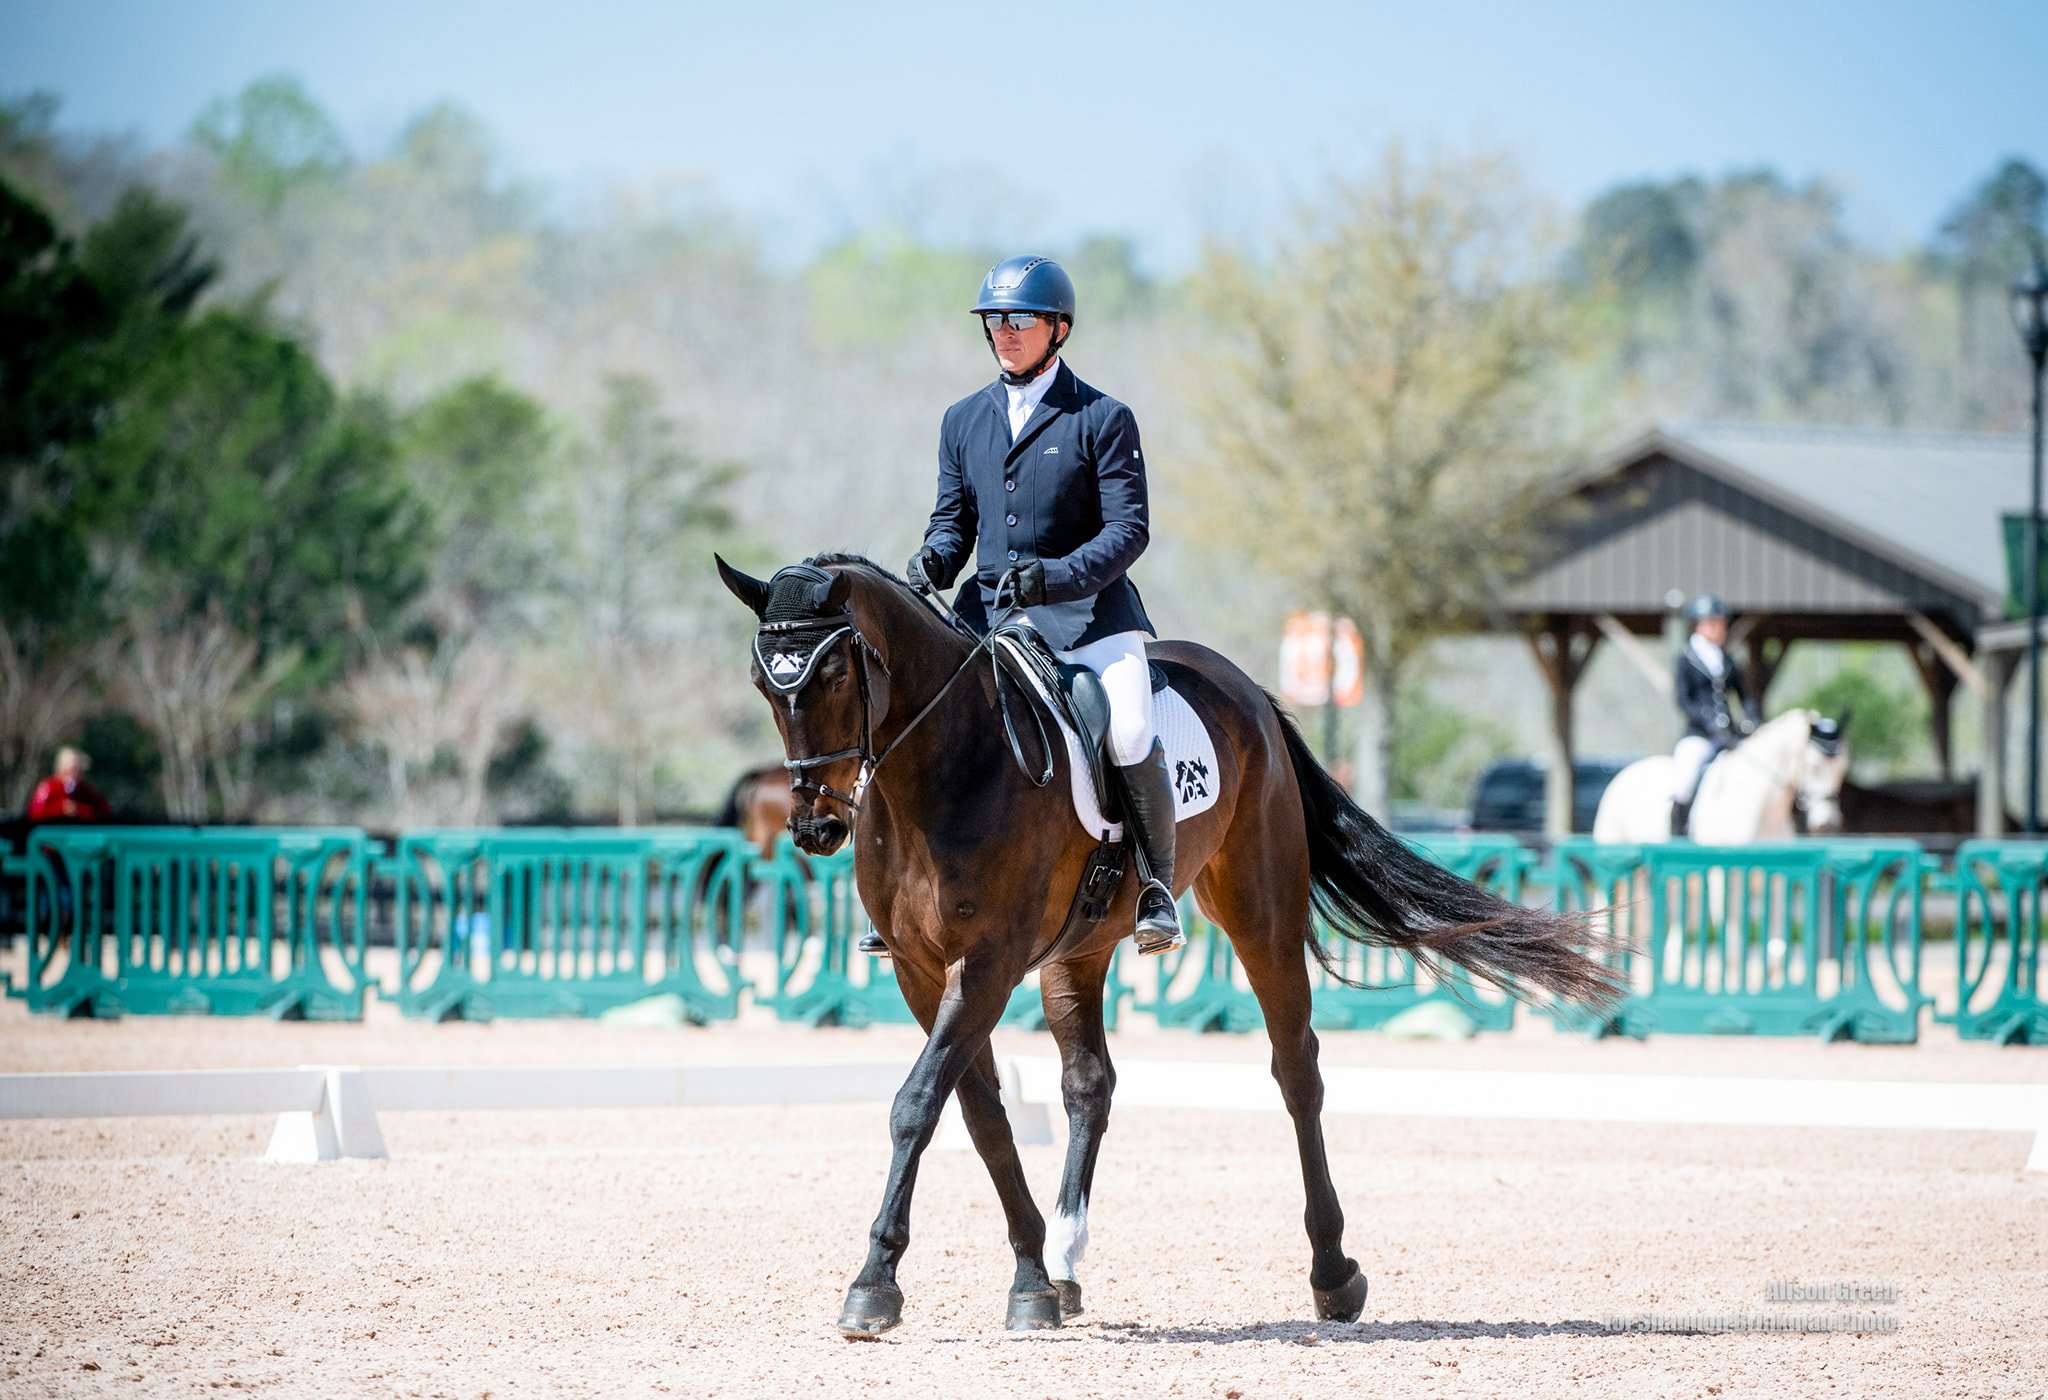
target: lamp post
<point>2028,313</point>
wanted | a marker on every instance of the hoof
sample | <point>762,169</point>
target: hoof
<point>1069,1295</point>
<point>871,1309</point>
<point>1344,1302</point>
<point>1033,1312</point>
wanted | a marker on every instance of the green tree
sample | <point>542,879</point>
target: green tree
<point>272,138</point>
<point>238,475</point>
<point>478,457</point>
<point>1377,424</point>
<point>644,507</point>
<point>1888,722</point>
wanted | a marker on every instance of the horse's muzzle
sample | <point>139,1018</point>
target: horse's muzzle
<point>818,836</point>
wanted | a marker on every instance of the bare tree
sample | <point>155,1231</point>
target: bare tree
<point>457,704</point>
<point>1377,419</point>
<point>42,699</point>
<point>190,680</point>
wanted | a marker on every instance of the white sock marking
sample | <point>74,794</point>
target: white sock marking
<point>1066,1240</point>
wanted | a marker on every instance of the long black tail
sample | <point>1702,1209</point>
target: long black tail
<point>1368,886</point>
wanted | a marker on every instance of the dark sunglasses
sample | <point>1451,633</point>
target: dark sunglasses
<point>1015,320</point>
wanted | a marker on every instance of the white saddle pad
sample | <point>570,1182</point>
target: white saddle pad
<point>1190,757</point>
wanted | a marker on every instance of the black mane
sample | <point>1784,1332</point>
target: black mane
<point>859,561</point>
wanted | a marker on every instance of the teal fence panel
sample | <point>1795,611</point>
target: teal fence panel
<point>232,921</point>
<point>1819,937</point>
<point>816,919</point>
<point>821,976</point>
<point>1390,982</point>
<point>557,922</point>
<point>2001,979</point>
<point>1200,987</point>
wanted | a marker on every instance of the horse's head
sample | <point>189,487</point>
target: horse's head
<point>1823,767</point>
<point>827,687</point>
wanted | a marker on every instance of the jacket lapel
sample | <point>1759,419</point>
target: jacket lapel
<point>1050,407</point>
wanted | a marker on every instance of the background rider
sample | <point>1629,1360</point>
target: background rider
<point>1714,699</point>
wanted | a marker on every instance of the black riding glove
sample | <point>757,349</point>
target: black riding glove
<point>928,567</point>
<point>1021,586</point>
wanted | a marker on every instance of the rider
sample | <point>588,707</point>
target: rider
<point>1705,679</point>
<point>1041,482</point>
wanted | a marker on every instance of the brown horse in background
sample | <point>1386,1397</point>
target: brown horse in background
<point>967,868</point>
<point>758,806</point>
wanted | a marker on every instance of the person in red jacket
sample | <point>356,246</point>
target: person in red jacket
<point>65,796</point>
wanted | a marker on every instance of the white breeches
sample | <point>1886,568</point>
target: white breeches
<point>1689,759</point>
<point>1120,661</point>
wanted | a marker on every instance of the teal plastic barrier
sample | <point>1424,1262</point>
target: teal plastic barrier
<point>2001,979</point>
<point>1201,987</point>
<point>554,922</point>
<point>226,921</point>
<point>1818,937</point>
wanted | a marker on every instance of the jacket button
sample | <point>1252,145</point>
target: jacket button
<point>1009,486</point>
<point>1009,520</point>
<point>1013,556</point>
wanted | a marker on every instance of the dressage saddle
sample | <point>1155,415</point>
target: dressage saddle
<point>1083,702</point>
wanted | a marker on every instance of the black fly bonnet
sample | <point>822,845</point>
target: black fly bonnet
<point>794,636</point>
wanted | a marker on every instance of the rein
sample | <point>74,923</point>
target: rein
<point>793,675</point>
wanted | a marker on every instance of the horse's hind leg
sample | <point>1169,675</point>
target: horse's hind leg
<point>1073,1010</point>
<point>1264,906</point>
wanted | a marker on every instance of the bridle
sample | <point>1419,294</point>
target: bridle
<point>1827,744</point>
<point>787,673</point>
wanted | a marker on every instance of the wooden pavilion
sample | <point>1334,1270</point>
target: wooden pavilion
<point>1810,534</point>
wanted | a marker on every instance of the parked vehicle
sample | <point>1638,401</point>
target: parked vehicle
<point>1509,795</point>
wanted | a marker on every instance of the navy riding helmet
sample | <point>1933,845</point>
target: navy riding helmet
<point>1704,607</point>
<point>1026,283</point>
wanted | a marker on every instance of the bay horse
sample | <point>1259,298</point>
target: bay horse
<point>967,867</point>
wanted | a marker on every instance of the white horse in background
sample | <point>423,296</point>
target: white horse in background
<point>1747,793</point>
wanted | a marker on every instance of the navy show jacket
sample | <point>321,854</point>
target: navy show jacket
<point>1709,703</point>
<point>1069,492</point>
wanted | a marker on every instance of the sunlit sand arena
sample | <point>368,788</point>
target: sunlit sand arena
<point>705,1251</point>
<point>603,609</point>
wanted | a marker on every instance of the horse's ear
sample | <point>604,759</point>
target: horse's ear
<point>748,589</point>
<point>836,594</point>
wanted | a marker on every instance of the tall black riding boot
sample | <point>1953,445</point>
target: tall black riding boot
<point>1681,819</point>
<point>1149,818</point>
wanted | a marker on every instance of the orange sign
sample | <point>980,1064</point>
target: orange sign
<point>1317,666</point>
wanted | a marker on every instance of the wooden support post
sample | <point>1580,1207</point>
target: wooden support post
<point>1766,655</point>
<point>1940,682</point>
<point>1657,677</point>
<point>1997,675</point>
<point>1562,649</point>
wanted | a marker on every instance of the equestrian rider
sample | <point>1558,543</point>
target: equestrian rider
<point>1042,483</point>
<point>1705,679</point>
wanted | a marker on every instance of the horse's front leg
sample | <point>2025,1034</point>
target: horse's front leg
<point>1033,1302</point>
<point>976,990</point>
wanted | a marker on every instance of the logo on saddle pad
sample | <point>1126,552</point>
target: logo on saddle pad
<point>1190,779</point>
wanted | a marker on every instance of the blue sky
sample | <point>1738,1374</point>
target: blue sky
<point>1047,120</point>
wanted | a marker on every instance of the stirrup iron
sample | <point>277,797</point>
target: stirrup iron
<point>1159,929</point>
